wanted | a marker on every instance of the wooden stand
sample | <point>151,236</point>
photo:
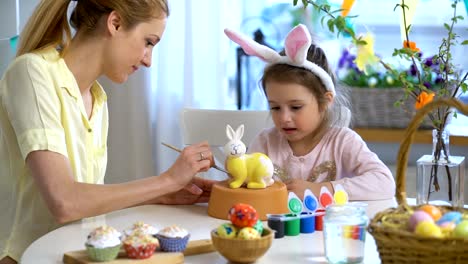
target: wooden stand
<point>271,200</point>
<point>194,247</point>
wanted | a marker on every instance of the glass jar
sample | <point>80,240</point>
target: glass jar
<point>345,232</point>
<point>440,177</point>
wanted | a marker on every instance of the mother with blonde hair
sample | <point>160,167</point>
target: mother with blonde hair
<point>54,120</point>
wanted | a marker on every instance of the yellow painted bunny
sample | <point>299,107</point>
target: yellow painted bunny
<point>256,169</point>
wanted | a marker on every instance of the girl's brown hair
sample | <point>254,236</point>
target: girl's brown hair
<point>49,25</point>
<point>338,113</point>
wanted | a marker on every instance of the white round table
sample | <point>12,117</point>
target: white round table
<point>289,249</point>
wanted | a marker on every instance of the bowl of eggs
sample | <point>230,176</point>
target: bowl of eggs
<point>244,239</point>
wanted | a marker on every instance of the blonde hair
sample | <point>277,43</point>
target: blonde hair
<point>49,25</point>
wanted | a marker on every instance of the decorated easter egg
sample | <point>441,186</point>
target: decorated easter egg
<point>259,226</point>
<point>432,210</point>
<point>461,230</point>
<point>447,228</point>
<point>417,217</point>
<point>454,217</point>
<point>428,229</point>
<point>227,230</point>
<point>243,215</point>
<point>248,233</point>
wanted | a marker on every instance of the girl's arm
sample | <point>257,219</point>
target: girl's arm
<point>370,177</point>
<point>69,200</point>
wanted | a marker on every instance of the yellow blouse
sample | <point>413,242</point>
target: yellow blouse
<point>41,108</point>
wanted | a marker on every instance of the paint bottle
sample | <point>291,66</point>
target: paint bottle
<point>345,232</point>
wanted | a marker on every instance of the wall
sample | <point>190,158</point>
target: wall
<point>13,16</point>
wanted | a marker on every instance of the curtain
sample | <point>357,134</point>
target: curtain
<point>188,70</point>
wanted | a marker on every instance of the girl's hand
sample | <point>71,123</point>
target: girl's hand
<point>192,160</point>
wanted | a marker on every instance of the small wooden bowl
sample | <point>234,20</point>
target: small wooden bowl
<point>242,250</point>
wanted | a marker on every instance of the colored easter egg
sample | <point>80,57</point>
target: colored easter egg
<point>454,217</point>
<point>461,230</point>
<point>259,226</point>
<point>227,230</point>
<point>432,210</point>
<point>447,228</point>
<point>428,229</point>
<point>248,233</point>
<point>417,217</point>
<point>243,215</point>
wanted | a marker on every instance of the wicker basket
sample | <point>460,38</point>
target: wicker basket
<point>375,108</point>
<point>394,243</point>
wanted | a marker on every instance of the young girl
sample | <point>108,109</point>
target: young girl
<point>54,120</point>
<point>311,140</point>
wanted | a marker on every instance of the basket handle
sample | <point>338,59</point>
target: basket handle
<point>402,159</point>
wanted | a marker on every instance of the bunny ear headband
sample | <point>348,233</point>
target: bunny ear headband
<point>297,44</point>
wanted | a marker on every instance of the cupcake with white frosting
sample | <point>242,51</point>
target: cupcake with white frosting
<point>103,243</point>
<point>143,227</point>
<point>173,238</point>
<point>140,245</point>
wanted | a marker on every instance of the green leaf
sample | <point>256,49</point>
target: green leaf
<point>464,87</point>
<point>465,42</point>
<point>340,23</point>
<point>295,2</point>
<point>331,25</point>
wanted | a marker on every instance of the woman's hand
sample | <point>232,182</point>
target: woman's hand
<point>192,160</point>
<point>197,191</point>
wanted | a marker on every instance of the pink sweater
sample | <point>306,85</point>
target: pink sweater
<point>341,156</point>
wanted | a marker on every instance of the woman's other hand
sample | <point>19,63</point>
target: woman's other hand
<point>197,191</point>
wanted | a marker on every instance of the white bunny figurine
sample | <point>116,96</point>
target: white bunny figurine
<point>255,169</point>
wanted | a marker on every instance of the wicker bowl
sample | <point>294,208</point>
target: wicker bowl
<point>241,250</point>
<point>375,108</point>
<point>389,228</point>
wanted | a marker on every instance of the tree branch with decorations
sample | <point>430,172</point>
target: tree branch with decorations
<point>427,79</point>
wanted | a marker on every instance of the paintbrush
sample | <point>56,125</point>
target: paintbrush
<point>179,150</point>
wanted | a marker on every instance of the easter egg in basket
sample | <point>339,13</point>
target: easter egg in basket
<point>227,230</point>
<point>243,215</point>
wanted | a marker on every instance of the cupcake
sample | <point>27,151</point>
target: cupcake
<point>139,245</point>
<point>141,226</point>
<point>103,244</point>
<point>173,238</point>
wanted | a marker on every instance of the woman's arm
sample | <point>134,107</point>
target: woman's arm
<point>69,200</point>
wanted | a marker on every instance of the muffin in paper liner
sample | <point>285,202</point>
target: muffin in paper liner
<point>140,245</point>
<point>173,238</point>
<point>141,226</point>
<point>102,254</point>
<point>103,244</point>
<point>173,244</point>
